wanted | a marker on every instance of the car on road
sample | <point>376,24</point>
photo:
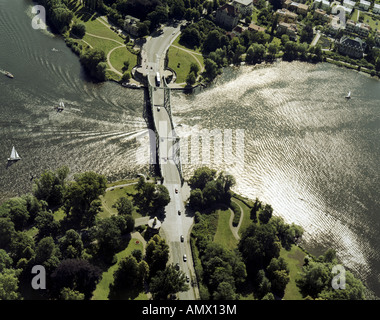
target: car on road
<point>182,238</point>
<point>184,258</point>
<point>176,190</point>
<point>179,212</point>
<point>177,266</point>
<point>158,108</point>
<point>187,278</point>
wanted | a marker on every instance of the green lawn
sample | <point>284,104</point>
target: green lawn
<point>112,196</point>
<point>223,233</point>
<point>118,56</point>
<point>180,60</point>
<point>102,289</point>
<point>295,259</point>
<point>95,27</point>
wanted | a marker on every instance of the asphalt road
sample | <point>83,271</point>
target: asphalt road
<point>176,223</point>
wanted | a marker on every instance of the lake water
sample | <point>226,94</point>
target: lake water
<point>309,152</point>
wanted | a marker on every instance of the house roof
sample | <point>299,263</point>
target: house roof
<point>229,9</point>
<point>255,27</point>
<point>367,3</point>
<point>244,2</point>
<point>355,43</point>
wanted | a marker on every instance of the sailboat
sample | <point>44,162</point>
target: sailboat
<point>14,155</point>
<point>348,96</point>
<point>60,107</point>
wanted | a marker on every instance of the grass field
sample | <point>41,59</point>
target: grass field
<point>111,196</point>
<point>98,28</point>
<point>223,233</point>
<point>102,289</point>
<point>295,259</point>
<point>180,60</point>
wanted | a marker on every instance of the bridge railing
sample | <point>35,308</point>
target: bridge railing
<point>176,146</point>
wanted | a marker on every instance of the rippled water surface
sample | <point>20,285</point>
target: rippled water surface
<point>309,152</point>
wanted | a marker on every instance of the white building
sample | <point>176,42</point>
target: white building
<point>349,4</point>
<point>245,7</point>
<point>376,8</point>
<point>322,4</point>
<point>364,5</point>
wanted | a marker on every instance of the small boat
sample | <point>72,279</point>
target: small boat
<point>348,96</point>
<point>60,107</point>
<point>54,49</point>
<point>14,155</point>
<point>9,75</point>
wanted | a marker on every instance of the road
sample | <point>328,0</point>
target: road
<point>176,223</point>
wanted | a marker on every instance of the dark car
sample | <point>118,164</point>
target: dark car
<point>179,212</point>
<point>182,238</point>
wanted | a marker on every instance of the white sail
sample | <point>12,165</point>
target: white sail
<point>14,155</point>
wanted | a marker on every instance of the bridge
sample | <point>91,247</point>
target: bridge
<point>177,223</point>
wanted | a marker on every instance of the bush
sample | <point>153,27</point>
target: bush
<point>79,30</point>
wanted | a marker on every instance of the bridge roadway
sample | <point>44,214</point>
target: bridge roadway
<point>175,224</point>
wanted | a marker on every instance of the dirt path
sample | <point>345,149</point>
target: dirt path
<point>235,230</point>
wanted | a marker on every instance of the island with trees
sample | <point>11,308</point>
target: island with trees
<point>88,236</point>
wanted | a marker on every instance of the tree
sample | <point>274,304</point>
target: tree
<point>196,199</point>
<point>158,16</point>
<point>307,33</point>
<point>76,274</point>
<point>194,67</point>
<point>47,254</point>
<point>71,245</point>
<point>69,294</point>
<point>151,197</point>
<point>79,30</point>
<point>7,231</point>
<point>80,196</point>
<point>278,273</point>
<point>168,281</point>
<point>156,254</point>
<point>224,292</point>
<point>128,279</point>
<point>265,214</point>
<point>273,49</point>
<point>314,279</point>
<point>19,215</point>
<point>190,79</point>
<point>126,76</point>
<point>212,41</point>
<point>91,59</point>
<point>211,69</point>
<point>61,18</point>
<point>22,246</point>
<point>201,176</point>
<point>108,235</point>
<point>255,53</point>
<point>124,206</point>
<point>9,285</point>
<point>258,245</point>
<point>5,260</point>
<point>46,224</point>
<point>51,186</point>
<point>161,197</point>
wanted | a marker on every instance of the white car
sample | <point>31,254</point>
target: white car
<point>184,258</point>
